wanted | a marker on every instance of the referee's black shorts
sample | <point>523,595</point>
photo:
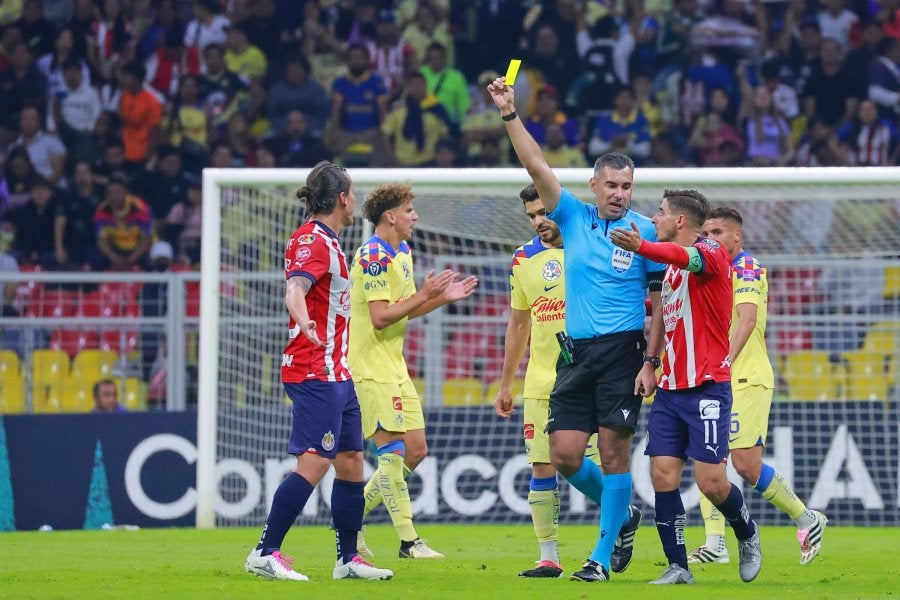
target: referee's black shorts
<point>598,390</point>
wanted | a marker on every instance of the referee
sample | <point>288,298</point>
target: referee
<point>607,364</point>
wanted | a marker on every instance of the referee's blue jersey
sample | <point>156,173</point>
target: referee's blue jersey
<point>605,285</point>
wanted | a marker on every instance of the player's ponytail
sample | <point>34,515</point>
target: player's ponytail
<point>324,184</point>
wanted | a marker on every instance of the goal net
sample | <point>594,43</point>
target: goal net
<point>829,238</point>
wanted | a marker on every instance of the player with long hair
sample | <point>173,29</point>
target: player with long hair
<point>326,428</point>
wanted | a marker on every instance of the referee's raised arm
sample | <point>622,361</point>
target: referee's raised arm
<point>528,151</point>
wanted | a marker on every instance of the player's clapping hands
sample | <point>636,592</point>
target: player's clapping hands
<point>436,284</point>
<point>457,290</point>
<point>626,239</point>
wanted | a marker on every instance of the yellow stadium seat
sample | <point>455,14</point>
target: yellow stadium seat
<point>881,338</point>
<point>518,391</point>
<point>9,362</point>
<point>12,384</point>
<point>134,395</point>
<point>810,375</point>
<point>463,392</point>
<point>419,384</point>
<point>90,366</point>
<point>49,374</point>
<point>870,375</point>
<point>76,398</point>
<point>891,282</point>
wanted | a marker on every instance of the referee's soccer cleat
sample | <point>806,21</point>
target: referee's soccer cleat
<point>810,538</point>
<point>419,549</point>
<point>591,571</point>
<point>704,554</point>
<point>272,566</point>
<point>675,574</point>
<point>621,556</point>
<point>545,568</point>
<point>751,557</point>
<point>361,546</point>
<point>357,568</point>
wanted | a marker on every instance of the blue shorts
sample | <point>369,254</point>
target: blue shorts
<point>326,418</point>
<point>691,423</point>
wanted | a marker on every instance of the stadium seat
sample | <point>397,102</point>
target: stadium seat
<point>90,366</point>
<point>882,338</point>
<point>419,384</point>
<point>76,398</point>
<point>192,299</point>
<point>49,374</point>
<point>810,375</point>
<point>134,395</point>
<point>518,391</point>
<point>790,338</point>
<point>870,375</point>
<point>794,290</point>
<point>12,384</point>
<point>473,353</point>
<point>414,350</point>
<point>460,354</point>
<point>891,282</point>
<point>493,305</point>
<point>124,341</point>
<point>463,392</point>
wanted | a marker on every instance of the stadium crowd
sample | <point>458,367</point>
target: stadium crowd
<point>110,108</point>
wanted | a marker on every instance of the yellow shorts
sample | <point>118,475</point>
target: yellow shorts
<point>393,407</point>
<point>537,440</point>
<point>750,416</point>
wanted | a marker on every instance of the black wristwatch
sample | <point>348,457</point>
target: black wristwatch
<point>653,360</point>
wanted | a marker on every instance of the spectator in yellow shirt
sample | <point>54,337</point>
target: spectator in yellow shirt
<point>558,152</point>
<point>413,130</point>
<point>242,57</point>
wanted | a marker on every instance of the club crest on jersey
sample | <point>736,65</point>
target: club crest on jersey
<point>621,260</point>
<point>552,270</point>
<point>328,442</point>
<point>406,272</point>
<point>302,254</point>
<point>306,238</point>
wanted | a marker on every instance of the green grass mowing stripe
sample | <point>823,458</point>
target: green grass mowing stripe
<point>856,562</point>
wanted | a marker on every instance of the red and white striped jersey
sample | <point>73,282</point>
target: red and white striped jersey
<point>390,62</point>
<point>871,146</point>
<point>697,316</point>
<point>314,252</point>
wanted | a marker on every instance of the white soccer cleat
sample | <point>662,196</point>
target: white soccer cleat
<point>704,554</point>
<point>420,549</point>
<point>361,546</point>
<point>810,538</point>
<point>674,575</point>
<point>359,569</point>
<point>272,566</point>
<point>750,554</point>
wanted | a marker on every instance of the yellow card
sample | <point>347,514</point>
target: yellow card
<point>512,70</point>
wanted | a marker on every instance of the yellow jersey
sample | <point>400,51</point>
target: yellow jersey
<point>752,366</point>
<point>537,284</point>
<point>379,272</point>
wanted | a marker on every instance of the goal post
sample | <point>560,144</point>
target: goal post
<point>803,222</point>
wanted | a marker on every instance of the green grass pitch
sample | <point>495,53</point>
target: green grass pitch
<point>482,562</point>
